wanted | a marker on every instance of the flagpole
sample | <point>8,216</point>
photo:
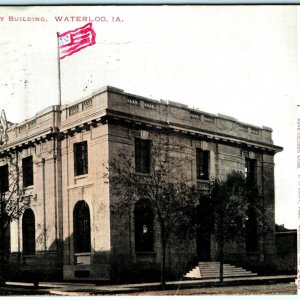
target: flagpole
<point>58,65</point>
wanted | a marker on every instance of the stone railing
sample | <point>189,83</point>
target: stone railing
<point>84,105</point>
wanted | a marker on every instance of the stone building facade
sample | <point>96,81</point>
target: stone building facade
<point>69,230</point>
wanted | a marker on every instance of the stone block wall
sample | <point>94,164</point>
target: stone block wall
<point>109,120</point>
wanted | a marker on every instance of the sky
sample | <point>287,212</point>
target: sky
<point>239,61</point>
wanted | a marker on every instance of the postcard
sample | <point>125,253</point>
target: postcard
<point>148,150</point>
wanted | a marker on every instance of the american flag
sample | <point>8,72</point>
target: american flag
<point>75,40</point>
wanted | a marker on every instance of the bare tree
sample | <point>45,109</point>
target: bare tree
<point>14,199</point>
<point>171,194</point>
<point>234,205</point>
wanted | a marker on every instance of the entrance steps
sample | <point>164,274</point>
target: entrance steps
<point>211,269</point>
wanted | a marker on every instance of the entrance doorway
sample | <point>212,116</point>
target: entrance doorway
<point>203,245</point>
<point>205,227</point>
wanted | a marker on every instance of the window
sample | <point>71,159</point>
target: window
<point>28,230</point>
<point>80,158</point>
<point>142,155</point>
<point>143,225</point>
<point>4,179</point>
<point>82,227</point>
<point>202,161</point>
<point>27,167</point>
<point>250,170</point>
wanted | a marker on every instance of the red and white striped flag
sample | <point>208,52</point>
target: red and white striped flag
<point>75,40</point>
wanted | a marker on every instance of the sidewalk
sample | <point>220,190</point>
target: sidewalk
<point>80,289</point>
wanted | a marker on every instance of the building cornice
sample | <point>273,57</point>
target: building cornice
<point>130,120</point>
<point>114,105</point>
<point>192,131</point>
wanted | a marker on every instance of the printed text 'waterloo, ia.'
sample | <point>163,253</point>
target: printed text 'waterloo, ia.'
<point>101,19</point>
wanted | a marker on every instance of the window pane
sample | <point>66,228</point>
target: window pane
<point>82,227</point>
<point>4,179</point>
<point>144,231</point>
<point>28,230</point>
<point>202,162</point>
<point>251,170</point>
<point>27,168</point>
<point>142,155</point>
<point>80,158</point>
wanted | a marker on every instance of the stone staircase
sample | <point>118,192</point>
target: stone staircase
<point>211,269</point>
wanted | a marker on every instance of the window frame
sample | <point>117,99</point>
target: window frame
<point>28,236</point>
<point>27,171</point>
<point>144,218</point>
<point>80,151</point>
<point>142,150</point>
<point>82,228</point>
<point>251,170</point>
<point>202,164</point>
<point>4,178</point>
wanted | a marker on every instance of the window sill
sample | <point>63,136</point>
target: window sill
<point>29,259</point>
<point>82,253</point>
<point>28,187</point>
<point>83,258</point>
<point>145,256</point>
<point>80,176</point>
<point>143,174</point>
<point>145,253</point>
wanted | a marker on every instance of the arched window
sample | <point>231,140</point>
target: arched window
<point>28,230</point>
<point>82,227</point>
<point>143,224</point>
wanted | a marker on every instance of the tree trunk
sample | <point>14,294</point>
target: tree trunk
<point>221,251</point>
<point>221,262</point>
<point>163,257</point>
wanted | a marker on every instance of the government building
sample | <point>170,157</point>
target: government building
<point>68,231</point>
